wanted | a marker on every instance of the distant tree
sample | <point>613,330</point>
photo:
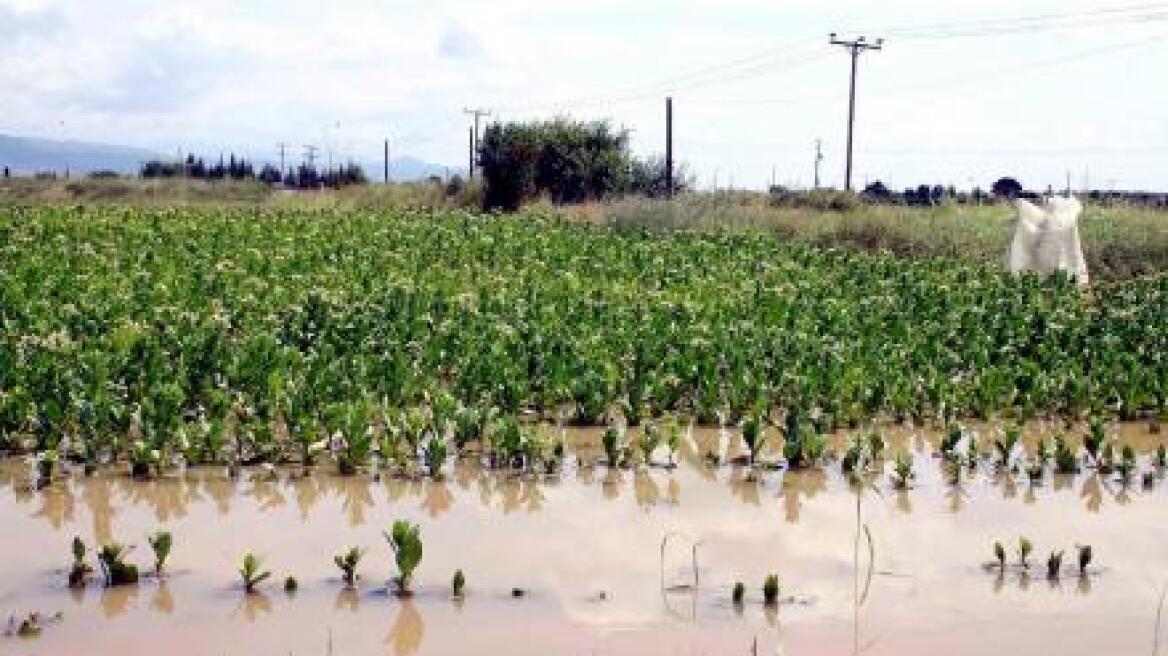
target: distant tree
<point>270,175</point>
<point>649,177</point>
<point>1006,188</point>
<point>877,191</point>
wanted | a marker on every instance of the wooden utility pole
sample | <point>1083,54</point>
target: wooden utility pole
<point>477,113</point>
<point>669,147</point>
<point>855,47</point>
<point>470,153</point>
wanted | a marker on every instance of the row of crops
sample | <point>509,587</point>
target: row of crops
<point>129,329</point>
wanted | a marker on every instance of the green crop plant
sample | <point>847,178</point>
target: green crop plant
<point>1025,547</point>
<point>435,456</point>
<point>876,445</point>
<point>1035,470</point>
<point>754,434</point>
<point>1065,461</point>
<point>611,440</point>
<point>291,584</point>
<point>406,542</point>
<point>79,569</point>
<point>347,562</point>
<point>1086,555</point>
<point>648,441</point>
<point>1006,444</point>
<point>673,434</point>
<point>739,593</point>
<point>114,567</point>
<point>770,590</point>
<point>902,470</point>
<point>1127,463</point>
<point>144,460</point>
<point>160,544</point>
<point>458,584</point>
<point>1000,555</point>
<point>854,460</point>
<point>950,441</point>
<point>1054,564</point>
<point>251,573</point>
<point>1161,459</point>
<point>803,445</point>
<point>1095,438</point>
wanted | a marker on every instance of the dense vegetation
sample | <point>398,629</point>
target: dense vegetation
<point>144,330</point>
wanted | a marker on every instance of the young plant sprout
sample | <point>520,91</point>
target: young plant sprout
<point>1127,463</point>
<point>739,593</point>
<point>435,456</point>
<point>648,442</point>
<point>251,574</point>
<point>673,440</point>
<point>458,584</point>
<point>406,541</point>
<point>902,470</point>
<point>347,562</point>
<point>1000,555</point>
<point>113,566</point>
<point>1025,547</point>
<point>80,570</point>
<point>290,584</point>
<point>1096,436</point>
<point>1005,445</point>
<point>770,590</point>
<point>1086,555</point>
<point>1065,461</point>
<point>753,433</point>
<point>876,445</point>
<point>612,447</point>
<point>160,543</point>
<point>1054,564</point>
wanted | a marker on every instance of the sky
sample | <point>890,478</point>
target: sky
<point>961,93</point>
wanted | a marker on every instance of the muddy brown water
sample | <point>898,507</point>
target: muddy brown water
<point>588,550</point>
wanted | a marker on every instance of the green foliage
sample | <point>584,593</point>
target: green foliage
<point>803,445</point>
<point>1007,443</point>
<point>160,544</point>
<point>435,455</point>
<point>291,585</point>
<point>251,572</point>
<point>1161,459</point>
<point>347,562</point>
<point>1127,463</point>
<point>114,567</point>
<point>754,434</point>
<point>902,470</point>
<point>79,570</point>
<point>406,542</point>
<point>1095,439</point>
<point>1000,555</point>
<point>1086,555</point>
<point>770,590</point>
<point>951,440</point>
<point>613,448</point>
<point>458,584</point>
<point>1025,547</point>
<point>1054,564</point>
<point>648,441</point>
<point>1065,461</point>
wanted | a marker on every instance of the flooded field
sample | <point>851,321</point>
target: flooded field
<point>587,551</point>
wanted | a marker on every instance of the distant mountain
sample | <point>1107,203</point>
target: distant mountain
<point>29,155</point>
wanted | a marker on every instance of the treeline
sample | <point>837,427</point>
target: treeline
<point>304,176</point>
<point>566,161</point>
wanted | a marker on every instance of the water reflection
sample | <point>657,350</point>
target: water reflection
<point>405,636</point>
<point>116,600</point>
<point>163,600</point>
<point>347,599</point>
<point>253,605</point>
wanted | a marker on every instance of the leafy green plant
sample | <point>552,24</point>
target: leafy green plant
<point>612,446</point>
<point>876,444</point>
<point>1127,463</point>
<point>80,569</point>
<point>648,441</point>
<point>770,590</point>
<point>1007,443</point>
<point>160,544</point>
<point>114,567</point>
<point>902,470</point>
<point>435,456</point>
<point>672,439</point>
<point>251,572</point>
<point>1095,438</point>
<point>1161,459</point>
<point>1025,547</point>
<point>406,542</point>
<point>854,459</point>
<point>1000,555</point>
<point>1086,555</point>
<point>739,593</point>
<point>458,584</point>
<point>951,440</point>
<point>753,433</point>
<point>144,460</point>
<point>347,562</point>
<point>1054,564</point>
<point>1065,461</point>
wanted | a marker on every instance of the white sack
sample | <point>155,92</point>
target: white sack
<point>1046,239</point>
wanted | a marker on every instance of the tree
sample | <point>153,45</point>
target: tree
<point>1006,188</point>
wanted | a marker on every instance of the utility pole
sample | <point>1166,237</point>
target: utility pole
<point>855,47</point>
<point>470,152</point>
<point>310,154</point>
<point>669,147</point>
<point>818,159</point>
<point>477,113</point>
<point>386,164</point>
<point>283,148</point>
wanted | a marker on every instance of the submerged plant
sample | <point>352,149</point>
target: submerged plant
<point>347,562</point>
<point>251,574</point>
<point>1096,436</point>
<point>406,542</point>
<point>458,584</point>
<point>1006,444</point>
<point>160,544</point>
<point>739,593</point>
<point>902,470</point>
<point>1025,547</point>
<point>1054,564</point>
<point>1127,463</point>
<point>1086,555</point>
<point>854,459</point>
<point>80,570</point>
<point>753,433</point>
<point>435,455</point>
<point>1161,456</point>
<point>1000,555</point>
<point>770,590</point>
<point>648,442</point>
<point>951,440</point>
<point>114,567</point>
<point>612,446</point>
<point>672,440</point>
<point>1065,461</point>
<point>290,584</point>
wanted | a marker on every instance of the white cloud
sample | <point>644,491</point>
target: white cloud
<point>245,75</point>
